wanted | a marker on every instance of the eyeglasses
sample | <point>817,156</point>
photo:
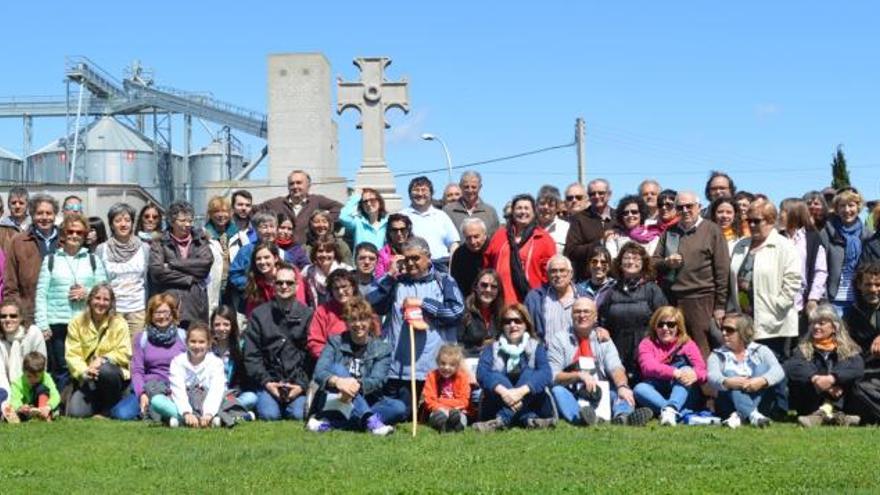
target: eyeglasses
<point>671,325</point>
<point>582,312</point>
<point>369,201</point>
<point>631,213</point>
<point>597,193</point>
<point>667,205</point>
<point>508,321</point>
<point>412,259</point>
<point>151,216</point>
<point>7,316</point>
<point>162,312</point>
<point>184,221</point>
<point>75,232</point>
<point>598,263</point>
<point>285,283</point>
<point>754,221</point>
<point>399,229</point>
<point>686,206</point>
<point>487,285</point>
<point>574,197</point>
<point>728,329</point>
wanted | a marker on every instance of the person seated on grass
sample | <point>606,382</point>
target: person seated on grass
<point>822,371</point>
<point>16,341</point>
<point>275,354</point>
<point>580,361</point>
<point>672,368</point>
<point>34,395</point>
<point>328,321</point>
<point>98,353</point>
<point>152,351</point>
<point>447,391</point>
<point>514,375</point>
<point>227,345</point>
<point>747,376</point>
<point>198,387</point>
<point>863,321</point>
<point>351,371</point>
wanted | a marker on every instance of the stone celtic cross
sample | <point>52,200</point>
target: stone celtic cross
<point>372,96</point>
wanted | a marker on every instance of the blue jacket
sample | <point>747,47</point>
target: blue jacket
<point>51,303</point>
<point>374,366</point>
<point>360,228</point>
<point>492,368</point>
<point>534,302</point>
<point>442,308</point>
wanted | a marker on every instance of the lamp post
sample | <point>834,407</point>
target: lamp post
<point>433,137</point>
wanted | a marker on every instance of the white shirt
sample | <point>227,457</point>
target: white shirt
<point>435,227</point>
<point>209,375</point>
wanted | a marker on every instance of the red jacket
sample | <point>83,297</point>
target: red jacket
<point>461,392</point>
<point>534,255</point>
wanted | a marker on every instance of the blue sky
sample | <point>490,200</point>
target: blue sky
<point>762,90</point>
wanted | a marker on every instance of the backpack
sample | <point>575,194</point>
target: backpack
<point>92,262</point>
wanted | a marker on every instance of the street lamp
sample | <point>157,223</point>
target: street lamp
<point>433,137</point>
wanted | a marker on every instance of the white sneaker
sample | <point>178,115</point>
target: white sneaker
<point>668,416</point>
<point>316,425</point>
<point>733,422</point>
<point>215,422</point>
<point>173,422</point>
<point>383,430</point>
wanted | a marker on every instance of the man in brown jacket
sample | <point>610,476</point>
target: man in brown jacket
<point>693,261</point>
<point>300,205</point>
<point>17,220</point>
<point>587,228</point>
<point>25,253</point>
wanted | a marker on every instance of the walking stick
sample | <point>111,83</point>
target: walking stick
<point>412,378</point>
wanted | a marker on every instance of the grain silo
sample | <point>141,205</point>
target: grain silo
<point>10,168</point>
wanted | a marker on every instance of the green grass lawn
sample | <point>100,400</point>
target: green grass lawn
<point>95,456</point>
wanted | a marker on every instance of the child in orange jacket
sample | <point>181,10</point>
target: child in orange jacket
<point>447,391</point>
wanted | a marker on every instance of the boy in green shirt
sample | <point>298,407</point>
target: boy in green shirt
<point>34,395</point>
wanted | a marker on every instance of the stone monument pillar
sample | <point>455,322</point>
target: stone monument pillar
<point>372,96</point>
<point>302,134</point>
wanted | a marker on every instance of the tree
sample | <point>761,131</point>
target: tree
<point>839,173</point>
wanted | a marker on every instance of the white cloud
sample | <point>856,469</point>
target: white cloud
<point>406,128</point>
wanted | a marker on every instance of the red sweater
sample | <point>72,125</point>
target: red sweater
<point>534,254</point>
<point>461,392</point>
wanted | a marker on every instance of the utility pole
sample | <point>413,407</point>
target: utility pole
<point>580,132</point>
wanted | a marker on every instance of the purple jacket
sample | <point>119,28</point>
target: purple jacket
<point>150,362</point>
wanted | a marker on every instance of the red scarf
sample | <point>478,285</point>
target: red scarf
<point>284,244</point>
<point>584,349</point>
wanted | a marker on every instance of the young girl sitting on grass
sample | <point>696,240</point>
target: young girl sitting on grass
<point>447,391</point>
<point>198,385</point>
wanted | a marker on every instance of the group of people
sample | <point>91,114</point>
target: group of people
<point>560,308</point>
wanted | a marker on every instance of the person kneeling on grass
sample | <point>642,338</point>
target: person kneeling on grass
<point>198,386</point>
<point>351,372</point>
<point>447,391</point>
<point>580,361</point>
<point>514,374</point>
<point>275,354</point>
<point>34,395</point>
<point>672,368</point>
<point>823,370</point>
<point>746,374</point>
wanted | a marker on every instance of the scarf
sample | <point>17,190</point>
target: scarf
<point>584,349</point>
<point>11,354</point>
<point>284,244</point>
<point>120,252</point>
<point>852,234</point>
<point>512,351</point>
<point>162,338</point>
<point>643,234</point>
<point>729,233</point>
<point>827,344</point>
<point>664,226</point>
<point>183,244</point>
<point>517,272</point>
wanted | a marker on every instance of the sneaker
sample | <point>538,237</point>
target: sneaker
<point>438,420</point>
<point>588,415</point>
<point>733,421</point>
<point>640,416</point>
<point>456,421</point>
<point>173,422</point>
<point>540,423</point>
<point>811,420</point>
<point>316,425</point>
<point>489,426</point>
<point>668,416</point>
<point>841,419</point>
<point>620,419</point>
<point>215,422</point>
<point>758,420</point>
<point>10,415</point>
<point>249,416</point>
<point>377,427</point>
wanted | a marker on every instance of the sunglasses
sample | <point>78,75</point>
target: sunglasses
<point>598,263</point>
<point>75,232</point>
<point>412,259</point>
<point>7,316</point>
<point>285,283</point>
<point>369,201</point>
<point>686,206</point>
<point>671,325</point>
<point>486,285</point>
<point>401,229</point>
<point>728,329</point>
<point>597,193</point>
<point>508,321</point>
<point>631,213</point>
<point>574,197</point>
<point>667,205</point>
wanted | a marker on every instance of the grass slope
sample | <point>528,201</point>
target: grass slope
<point>79,456</point>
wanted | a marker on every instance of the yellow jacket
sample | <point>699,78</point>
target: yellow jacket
<point>82,339</point>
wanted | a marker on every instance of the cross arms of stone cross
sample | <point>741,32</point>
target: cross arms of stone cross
<point>372,90</point>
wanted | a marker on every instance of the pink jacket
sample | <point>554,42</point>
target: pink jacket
<point>655,359</point>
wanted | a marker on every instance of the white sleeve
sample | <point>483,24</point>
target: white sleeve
<point>216,385</point>
<point>177,377</point>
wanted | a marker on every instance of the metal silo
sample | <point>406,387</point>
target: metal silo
<point>210,164</point>
<point>49,163</point>
<point>10,167</point>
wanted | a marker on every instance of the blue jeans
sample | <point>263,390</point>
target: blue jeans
<point>569,409</point>
<point>247,399</point>
<point>360,412</point>
<point>127,409</point>
<point>768,401</point>
<point>269,408</point>
<point>395,406</point>
<point>537,404</point>
<point>658,394</point>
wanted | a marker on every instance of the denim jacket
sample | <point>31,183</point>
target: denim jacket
<point>374,369</point>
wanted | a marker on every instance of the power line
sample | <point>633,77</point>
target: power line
<point>491,160</point>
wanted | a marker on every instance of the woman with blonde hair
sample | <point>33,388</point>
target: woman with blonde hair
<point>672,367</point>
<point>842,239</point>
<point>823,369</point>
